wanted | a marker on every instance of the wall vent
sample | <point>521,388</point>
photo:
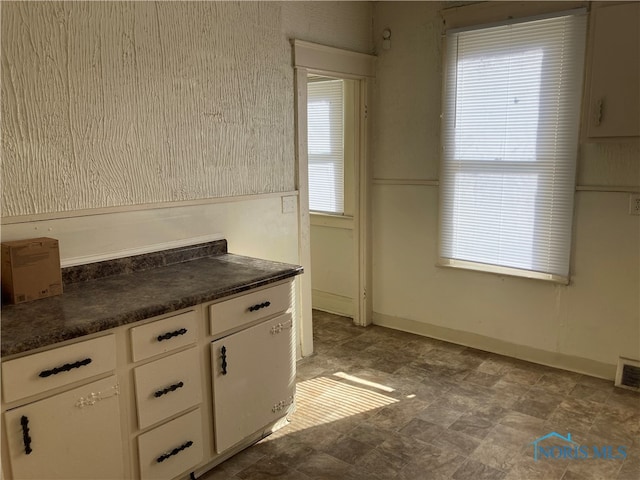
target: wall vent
<point>628,374</point>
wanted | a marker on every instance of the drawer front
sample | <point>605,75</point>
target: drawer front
<point>248,308</point>
<point>61,366</point>
<point>171,449</point>
<point>164,335</point>
<point>167,386</point>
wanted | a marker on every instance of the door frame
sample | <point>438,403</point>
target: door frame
<point>323,60</point>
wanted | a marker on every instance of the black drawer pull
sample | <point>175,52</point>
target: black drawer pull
<point>65,368</point>
<point>223,351</point>
<point>171,388</point>
<point>258,306</point>
<point>26,439</point>
<point>169,335</point>
<point>173,452</point>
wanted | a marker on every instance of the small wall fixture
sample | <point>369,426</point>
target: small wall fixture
<point>386,39</point>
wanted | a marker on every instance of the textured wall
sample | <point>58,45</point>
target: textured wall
<point>120,103</point>
<point>123,103</point>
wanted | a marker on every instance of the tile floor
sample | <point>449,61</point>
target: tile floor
<point>375,403</point>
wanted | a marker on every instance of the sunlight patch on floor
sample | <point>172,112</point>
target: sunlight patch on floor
<point>324,400</point>
<point>361,381</point>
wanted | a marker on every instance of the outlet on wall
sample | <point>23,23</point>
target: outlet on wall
<point>634,204</point>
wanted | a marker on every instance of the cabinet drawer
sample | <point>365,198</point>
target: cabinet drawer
<point>167,386</point>
<point>164,335</point>
<point>44,371</point>
<point>171,449</point>
<point>243,310</point>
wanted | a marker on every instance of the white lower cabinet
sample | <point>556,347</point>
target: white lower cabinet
<point>253,379</point>
<point>171,449</point>
<point>73,435</point>
<point>166,430</point>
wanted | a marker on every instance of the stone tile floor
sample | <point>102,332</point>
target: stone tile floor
<point>375,403</point>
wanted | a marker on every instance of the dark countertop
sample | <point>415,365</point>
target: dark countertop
<point>99,304</point>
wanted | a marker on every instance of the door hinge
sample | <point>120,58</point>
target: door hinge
<point>282,404</point>
<point>279,327</point>
<point>94,397</point>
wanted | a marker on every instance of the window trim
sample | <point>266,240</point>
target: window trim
<point>517,20</point>
<point>483,14</point>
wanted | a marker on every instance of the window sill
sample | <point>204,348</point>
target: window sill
<point>495,269</point>
<point>333,221</point>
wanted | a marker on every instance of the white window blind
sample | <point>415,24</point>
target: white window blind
<point>510,137</point>
<point>325,124</point>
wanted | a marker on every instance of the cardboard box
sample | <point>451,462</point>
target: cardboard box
<point>30,269</point>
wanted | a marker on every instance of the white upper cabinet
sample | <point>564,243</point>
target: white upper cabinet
<point>612,100</point>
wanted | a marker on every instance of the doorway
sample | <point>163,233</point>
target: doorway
<point>346,231</point>
<point>331,148</point>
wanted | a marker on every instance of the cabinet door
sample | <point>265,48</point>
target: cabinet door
<point>614,93</point>
<point>259,382</point>
<point>73,435</point>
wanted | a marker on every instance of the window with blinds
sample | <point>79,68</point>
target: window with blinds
<point>325,126</point>
<point>510,138</point>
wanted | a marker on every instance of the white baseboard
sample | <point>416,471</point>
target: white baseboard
<point>489,344</point>
<point>332,303</point>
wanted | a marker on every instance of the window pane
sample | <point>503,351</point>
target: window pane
<point>323,184</point>
<point>498,104</point>
<point>325,125</point>
<point>319,125</point>
<point>495,216</point>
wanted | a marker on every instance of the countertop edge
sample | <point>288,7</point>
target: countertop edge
<point>63,334</point>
